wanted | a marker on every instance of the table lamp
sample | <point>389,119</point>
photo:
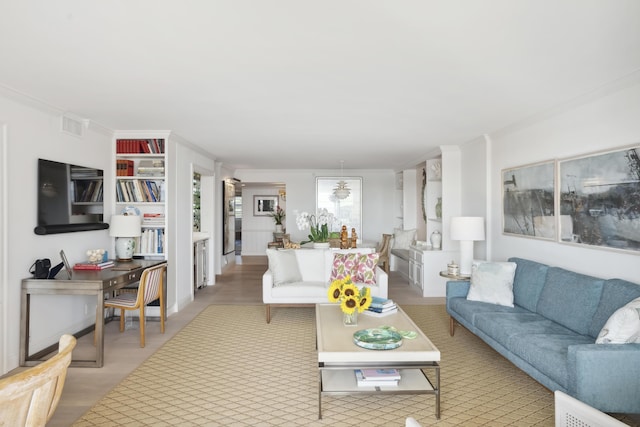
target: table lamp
<point>125,228</point>
<point>467,229</point>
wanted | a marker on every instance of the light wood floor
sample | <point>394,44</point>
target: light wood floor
<point>241,284</point>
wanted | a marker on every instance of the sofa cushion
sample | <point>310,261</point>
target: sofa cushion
<point>503,326</point>
<point>344,265</point>
<point>402,239</point>
<point>284,266</point>
<point>547,352</point>
<point>528,282</point>
<point>492,282</point>
<point>570,299</point>
<point>297,291</point>
<point>615,294</point>
<point>365,270</point>
<point>312,265</point>
<point>623,326</point>
<point>470,310</point>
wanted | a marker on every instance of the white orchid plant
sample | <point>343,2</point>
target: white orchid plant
<point>318,225</point>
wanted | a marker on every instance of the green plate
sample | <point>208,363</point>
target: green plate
<point>377,339</point>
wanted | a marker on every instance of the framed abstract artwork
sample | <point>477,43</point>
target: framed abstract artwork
<point>264,205</point>
<point>528,201</point>
<point>600,199</point>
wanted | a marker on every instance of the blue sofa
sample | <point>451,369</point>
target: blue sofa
<point>550,332</point>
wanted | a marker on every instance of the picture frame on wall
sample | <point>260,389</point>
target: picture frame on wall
<point>264,205</point>
<point>528,200</point>
<point>600,199</point>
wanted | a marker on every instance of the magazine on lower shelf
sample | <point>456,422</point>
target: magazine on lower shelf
<point>364,382</point>
<point>381,374</point>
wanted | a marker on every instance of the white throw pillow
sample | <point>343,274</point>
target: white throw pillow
<point>284,266</point>
<point>402,239</point>
<point>492,282</point>
<point>623,326</point>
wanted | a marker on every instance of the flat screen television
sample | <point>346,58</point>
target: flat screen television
<point>70,198</point>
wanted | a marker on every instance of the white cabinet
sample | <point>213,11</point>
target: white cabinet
<point>140,187</point>
<point>199,264</point>
<point>416,264</point>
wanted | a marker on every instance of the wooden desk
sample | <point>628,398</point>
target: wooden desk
<point>81,283</point>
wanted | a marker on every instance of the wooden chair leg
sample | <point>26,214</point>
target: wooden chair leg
<point>162,312</point>
<point>122,320</point>
<point>452,325</point>
<point>268,313</point>
<point>142,322</point>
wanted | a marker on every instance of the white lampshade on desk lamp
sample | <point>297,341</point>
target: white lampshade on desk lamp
<point>125,228</point>
<point>467,229</point>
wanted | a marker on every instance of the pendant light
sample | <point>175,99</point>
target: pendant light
<point>341,191</point>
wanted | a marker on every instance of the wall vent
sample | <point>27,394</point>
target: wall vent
<point>72,125</point>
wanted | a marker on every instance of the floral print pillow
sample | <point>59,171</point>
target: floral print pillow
<point>365,271</point>
<point>343,265</point>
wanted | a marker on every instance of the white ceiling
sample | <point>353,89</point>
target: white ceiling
<point>305,84</point>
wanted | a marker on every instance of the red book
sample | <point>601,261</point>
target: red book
<point>92,266</point>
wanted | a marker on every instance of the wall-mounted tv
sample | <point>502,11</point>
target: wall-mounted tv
<point>70,198</point>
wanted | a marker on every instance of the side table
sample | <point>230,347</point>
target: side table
<point>446,274</point>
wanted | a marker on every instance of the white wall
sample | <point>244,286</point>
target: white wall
<point>378,189</point>
<point>257,231</point>
<point>184,159</point>
<point>606,120</point>
<point>474,161</point>
<point>33,131</point>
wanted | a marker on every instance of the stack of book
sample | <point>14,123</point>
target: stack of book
<point>153,219</point>
<point>94,265</point>
<point>151,168</point>
<point>377,377</point>
<point>381,307</point>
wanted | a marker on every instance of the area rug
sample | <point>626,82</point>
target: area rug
<point>229,367</point>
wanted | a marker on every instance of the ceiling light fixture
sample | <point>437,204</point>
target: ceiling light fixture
<point>341,191</point>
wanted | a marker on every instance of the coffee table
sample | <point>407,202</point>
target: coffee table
<point>338,356</point>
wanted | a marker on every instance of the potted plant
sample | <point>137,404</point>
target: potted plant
<point>352,300</point>
<point>318,226</point>
<point>278,216</point>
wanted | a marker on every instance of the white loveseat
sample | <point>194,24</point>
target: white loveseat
<point>302,277</point>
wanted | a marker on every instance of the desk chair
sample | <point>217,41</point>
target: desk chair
<point>150,289</point>
<point>29,398</point>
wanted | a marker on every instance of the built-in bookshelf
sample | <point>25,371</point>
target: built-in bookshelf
<point>140,189</point>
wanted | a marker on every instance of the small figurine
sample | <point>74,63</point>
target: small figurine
<point>344,238</point>
<point>354,238</point>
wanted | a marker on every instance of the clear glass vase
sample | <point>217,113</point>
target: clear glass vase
<point>350,319</point>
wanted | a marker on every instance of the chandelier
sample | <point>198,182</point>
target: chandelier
<point>341,191</point>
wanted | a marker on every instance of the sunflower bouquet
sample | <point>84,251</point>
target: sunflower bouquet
<point>352,300</point>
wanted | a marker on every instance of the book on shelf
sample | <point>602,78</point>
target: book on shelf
<point>140,146</point>
<point>364,382</point>
<point>152,219</point>
<point>93,265</point>
<point>381,374</point>
<point>151,168</point>
<point>138,190</point>
<point>124,167</point>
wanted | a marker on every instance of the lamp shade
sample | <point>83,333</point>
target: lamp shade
<point>467,228</point>
<point>125,226</point>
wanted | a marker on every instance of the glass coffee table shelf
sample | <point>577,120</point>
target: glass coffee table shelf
<point>341,381</point>
<point>339,356</point>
